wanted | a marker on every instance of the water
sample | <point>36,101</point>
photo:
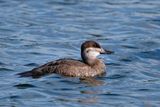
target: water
<point>34,32</point>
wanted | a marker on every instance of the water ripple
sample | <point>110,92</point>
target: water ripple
<point>24,86</point>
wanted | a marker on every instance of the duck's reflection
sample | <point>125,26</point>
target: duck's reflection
<point>93,94</point>
<point>88,100</point>
<point>92,81</point>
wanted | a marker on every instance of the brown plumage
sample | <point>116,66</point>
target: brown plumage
<point>90,66</point>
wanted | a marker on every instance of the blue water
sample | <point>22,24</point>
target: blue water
<point>33,32</point>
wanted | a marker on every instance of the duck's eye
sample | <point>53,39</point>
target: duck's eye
<point>87,51</point>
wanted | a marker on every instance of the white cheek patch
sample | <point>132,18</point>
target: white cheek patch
<point>92,54</point>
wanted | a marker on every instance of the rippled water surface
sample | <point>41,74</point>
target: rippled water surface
<point>33,32</point>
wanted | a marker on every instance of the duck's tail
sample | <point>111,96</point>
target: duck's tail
<point>25,74</point>
<point>29,74</point>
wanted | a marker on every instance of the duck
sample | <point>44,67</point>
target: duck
<point>89,66</point>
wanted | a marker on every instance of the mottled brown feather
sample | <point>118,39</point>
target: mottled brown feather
<point>67,67</point>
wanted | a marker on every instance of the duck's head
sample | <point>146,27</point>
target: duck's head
<point>90,50</point>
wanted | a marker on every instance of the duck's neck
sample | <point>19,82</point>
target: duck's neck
<point>91,62</point>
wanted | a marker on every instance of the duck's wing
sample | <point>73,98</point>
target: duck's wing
<point>68,67</point>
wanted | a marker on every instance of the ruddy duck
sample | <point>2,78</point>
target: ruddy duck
<point>90,65</point>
